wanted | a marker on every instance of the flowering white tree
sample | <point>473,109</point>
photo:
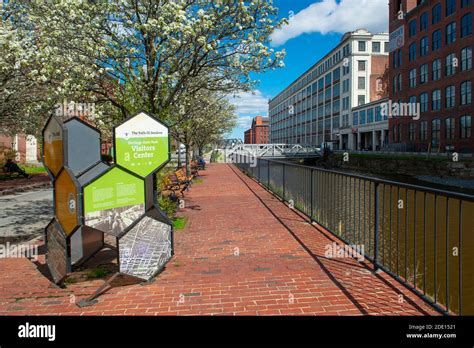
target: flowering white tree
<point>142,55</point>
<point>200,120</point>
<point>22,96</point>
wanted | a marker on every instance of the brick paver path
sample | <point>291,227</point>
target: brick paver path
<point>243,252</point>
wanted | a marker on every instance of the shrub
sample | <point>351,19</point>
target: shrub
<point>167,205</point>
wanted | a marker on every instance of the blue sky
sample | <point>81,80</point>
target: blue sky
<point>315,28</point>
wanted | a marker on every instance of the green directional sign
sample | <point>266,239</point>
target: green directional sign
<point>142,144</point>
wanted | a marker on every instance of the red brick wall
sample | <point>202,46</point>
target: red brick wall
<point>379,66</point>
<point>456,79</point>
<point>248,136</point>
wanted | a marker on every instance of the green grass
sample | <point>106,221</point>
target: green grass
<point>179,223</point>
<point>97,273</point>
<point>198,181</point>
<point>70,280</point>
<point>34,170</point>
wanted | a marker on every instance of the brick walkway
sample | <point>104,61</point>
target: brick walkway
<point>243,252</point>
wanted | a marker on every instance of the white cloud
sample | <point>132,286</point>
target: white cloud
<point>244,122</point>
<point>249,104</point>
<point>328,16</point>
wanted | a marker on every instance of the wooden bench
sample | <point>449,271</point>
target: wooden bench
<point>180,182</point>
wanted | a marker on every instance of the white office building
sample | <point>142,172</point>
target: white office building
<point>316,108</point>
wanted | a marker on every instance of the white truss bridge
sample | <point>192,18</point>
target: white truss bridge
<point>273,151</point>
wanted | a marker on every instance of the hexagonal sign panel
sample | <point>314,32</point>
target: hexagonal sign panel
<point>83,145</point>
<point>53,145</point>
<point>113,201</point>
<point>85,242</point>
<point>57,255</point>
<point>65,199</point>
<point>146,248</point>
<point>142,144</point>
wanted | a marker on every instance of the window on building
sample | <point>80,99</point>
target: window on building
<point>361,65</point>
<point>436,69</point>
<point>345,86</point>
<point>412,78</point>
<point>362,46</point>
<point>435,132</point>
<point>449,128</point>
<point>412,100</point>
<point>423,46</point>
<point>412,52</point>
<point>345,103</point>
<point>376,47</point>
<point>362,117</point>
<point>436,39</point>
<point>450,7</point>
<point>370,115</point>
<point>465,3</point>
<point>378,113</point>
<point>328,79</point>
<point>411,131</point>
<point>361,100</point>
<point>336,106</point>
<point>450,33</point>
<point>355,118</point>
<point>336,90</point>
<point>412,28</point>
<point>361,82</point>
<point>466,59</point>
<point>436,14</point>
<point>345,70</point>
<point>450,64</point>
<point>466,25</point>
<point>465,127</point>
<point>336,74</point>
<point>424,21</point>
<point>423,74</point>
<point>385,47</point>
<point>466,93</point>
<point>424,102</point>
<point>450,96</point>
<point>436,100</point>
<point>399,82</point>
<point>424,130</point>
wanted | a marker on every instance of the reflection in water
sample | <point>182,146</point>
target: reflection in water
<point>420,233</point>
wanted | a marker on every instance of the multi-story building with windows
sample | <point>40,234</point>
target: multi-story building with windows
<point>316,108</point>
<point>258,133</point>
<point>431,64</point>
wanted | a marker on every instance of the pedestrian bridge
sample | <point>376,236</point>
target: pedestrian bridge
<point>273,151</point>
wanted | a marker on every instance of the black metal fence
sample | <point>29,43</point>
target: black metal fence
<point>423,237</point>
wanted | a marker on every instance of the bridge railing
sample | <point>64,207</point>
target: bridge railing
<point>423,237</point>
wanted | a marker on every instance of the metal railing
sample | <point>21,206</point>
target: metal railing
<point>423,237</point>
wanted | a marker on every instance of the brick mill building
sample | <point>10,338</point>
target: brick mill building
<point>431,64</point>
<point>258,133</point>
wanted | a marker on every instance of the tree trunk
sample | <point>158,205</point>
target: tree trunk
<point>188,161</point>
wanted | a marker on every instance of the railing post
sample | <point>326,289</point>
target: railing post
<point>376,227</point>
<point>258,169</point>
<point>283,183</point>
<point>311,193</point>
<point>268,174</point>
